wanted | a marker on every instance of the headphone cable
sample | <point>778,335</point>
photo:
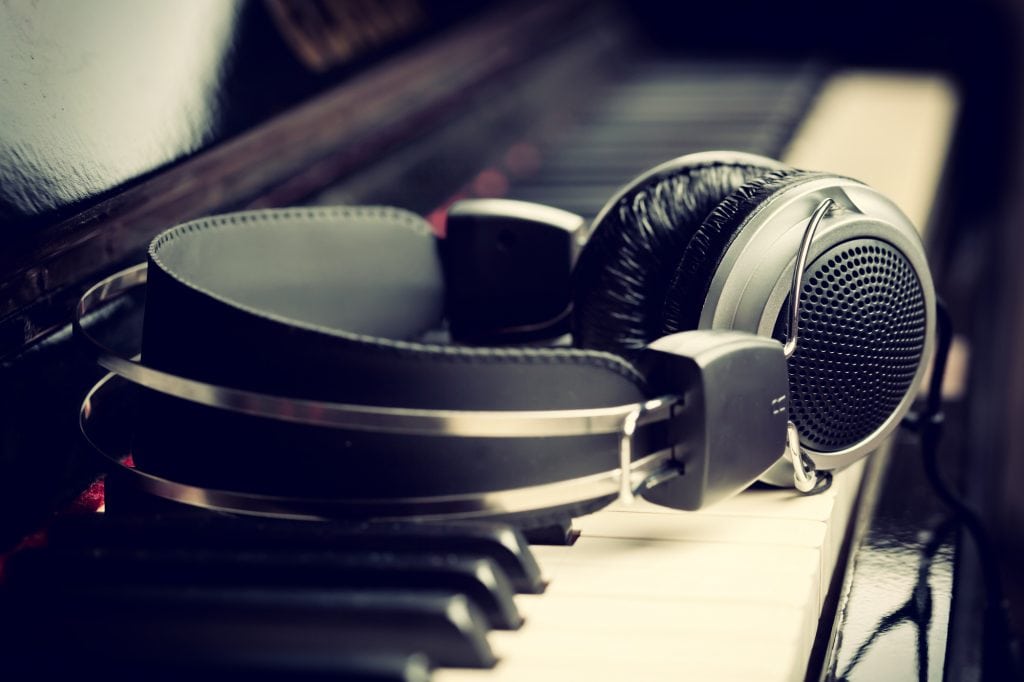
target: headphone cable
<point>1000,651</point>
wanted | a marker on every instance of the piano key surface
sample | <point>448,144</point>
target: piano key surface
<point>497,542</point>
<point>732,592</point>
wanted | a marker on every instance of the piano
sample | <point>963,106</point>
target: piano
<point>427,103</point>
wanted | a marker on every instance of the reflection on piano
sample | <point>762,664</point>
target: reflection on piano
<point>748,589</point>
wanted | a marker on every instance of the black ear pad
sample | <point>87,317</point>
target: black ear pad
<point>687,290</point>
<point>622,274</point>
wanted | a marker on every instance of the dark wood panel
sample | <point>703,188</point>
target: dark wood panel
<point>97,95</point>
<point>276,162</point>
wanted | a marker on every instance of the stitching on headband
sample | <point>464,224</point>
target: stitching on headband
<point>375,344</point>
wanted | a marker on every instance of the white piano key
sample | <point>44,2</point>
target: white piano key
<point>699,572</point>
<point>589,613</point>
<point>704,580</point>
<point>890,130</point>
<point>675,525</point>
<point>657,650</point>
<point>622,669</point>
<point>586,655</point>
<point>645,553</point>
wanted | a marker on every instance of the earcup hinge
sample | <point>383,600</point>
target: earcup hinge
<point>507,269</point>
<point>731,423</point>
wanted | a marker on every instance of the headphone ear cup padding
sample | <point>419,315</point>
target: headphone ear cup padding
<point>688,289</point>
<point>621,276</point>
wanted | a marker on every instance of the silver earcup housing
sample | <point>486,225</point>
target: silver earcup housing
<point>868,302</point>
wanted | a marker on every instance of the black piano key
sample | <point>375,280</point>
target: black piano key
<point>697,138</point>
<point>611,157</point>
<point>557,534</point>
<point>643,141</point>
<point>661,109</point>
<point>222,627</point>
<point>499,542</point>
<point>480,579</point>
<point>36,661</point>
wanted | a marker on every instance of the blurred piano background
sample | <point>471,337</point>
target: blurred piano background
<point>121,119</point>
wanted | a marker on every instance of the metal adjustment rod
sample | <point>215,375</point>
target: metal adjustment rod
<point>806,478</point>
<point>629,426</point>
<point>798,276</point>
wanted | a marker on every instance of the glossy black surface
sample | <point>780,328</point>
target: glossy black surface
<point>43,382</point>
<point>205,531</point>
<point>895,618</point>
<point>96,95</point>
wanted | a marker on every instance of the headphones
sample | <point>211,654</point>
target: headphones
<point>724,311</point>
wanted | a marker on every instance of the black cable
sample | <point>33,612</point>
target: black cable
<point>1000,651</point>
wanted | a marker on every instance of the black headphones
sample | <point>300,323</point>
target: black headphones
<point>328,362</point>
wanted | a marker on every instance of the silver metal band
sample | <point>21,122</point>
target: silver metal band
<point>396,420</point>
<point>637,475</point>
<point>806,478</point>
<point>798,275</point>
<point>629,426</point>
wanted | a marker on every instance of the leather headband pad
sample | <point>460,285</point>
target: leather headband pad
<point>366,271</point>
<point>326,304</point>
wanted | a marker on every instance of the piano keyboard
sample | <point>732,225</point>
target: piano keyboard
<point>658,109</point>
<point>734,592</point>
<point>730,593</point>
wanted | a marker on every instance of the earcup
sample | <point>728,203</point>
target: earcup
<point>623,273</point>
<point>688,288</point>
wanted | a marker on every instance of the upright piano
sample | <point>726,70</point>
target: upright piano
<point>417,104</point>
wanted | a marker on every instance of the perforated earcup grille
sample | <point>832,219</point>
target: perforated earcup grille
<point>862,334</point>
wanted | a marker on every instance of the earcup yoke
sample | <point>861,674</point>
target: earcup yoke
<point>660,246</point>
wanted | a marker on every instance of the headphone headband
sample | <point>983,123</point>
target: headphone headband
<point>292,363</point>
<point>657,439</point>
<point>380,419</point>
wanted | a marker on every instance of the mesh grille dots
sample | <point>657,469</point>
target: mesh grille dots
<point>862,334</point>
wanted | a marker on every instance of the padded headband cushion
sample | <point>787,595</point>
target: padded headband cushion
<point>685,295</point>
<point>623,273</point>
<point>328,304</point>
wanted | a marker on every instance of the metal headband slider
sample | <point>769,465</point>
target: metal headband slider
<point>627,485</point>
<point>373,418</point>
<point>733,426</point>
<point>105,431</point>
